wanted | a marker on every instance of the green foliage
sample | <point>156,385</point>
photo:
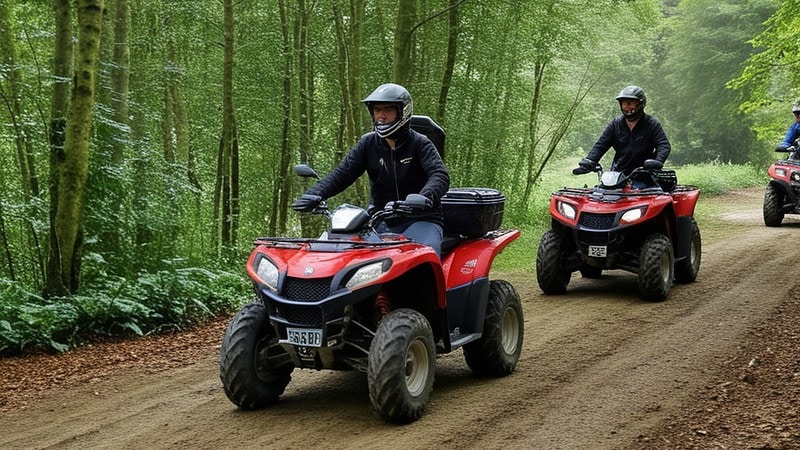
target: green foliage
<point>770,79</point>
<point>153,302</point>
<point>707,43</point>
<point>719,178</point>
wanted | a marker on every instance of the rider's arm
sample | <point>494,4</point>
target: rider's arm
<point>438,179</point>
<point>791,135</point>
<point>605,141</point>
<point>660,141</point>
<point>346,173</point>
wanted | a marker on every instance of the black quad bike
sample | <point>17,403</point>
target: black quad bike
<point>649,231</point>
<point>354,299</point>
<point>782,195</point>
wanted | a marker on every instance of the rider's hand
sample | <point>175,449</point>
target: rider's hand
<point>586,164</point>
<point>306,203</point>
<point>653,164</point>
<point>413,203</point>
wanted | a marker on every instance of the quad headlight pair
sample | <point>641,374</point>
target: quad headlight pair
<point>268,273</point>
<point>630,216</point>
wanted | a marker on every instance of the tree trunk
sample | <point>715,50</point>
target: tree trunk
<point>403,39</point>
<point>62,68</point>
<point>278,215</point>
<point>229,165</point>
<point>449,67</point>
<point>25,156</point>
<point>120,79</point>
<point>71,166</point>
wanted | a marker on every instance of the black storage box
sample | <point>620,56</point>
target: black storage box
<point>472,211</point>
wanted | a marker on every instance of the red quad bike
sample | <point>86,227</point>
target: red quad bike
<point>354,299</point>
<point>782,195</point>
<point>648,231</point>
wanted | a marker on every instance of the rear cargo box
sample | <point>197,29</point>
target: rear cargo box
<point>472,211</point>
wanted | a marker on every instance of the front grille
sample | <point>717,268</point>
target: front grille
<point>302,315</point>
<point>597,221</point>
<point>306,289</point>
<point>590,238</point>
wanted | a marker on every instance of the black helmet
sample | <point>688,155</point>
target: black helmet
<point>634,93</point>
<point>796,106</point>
<point>391,93</point>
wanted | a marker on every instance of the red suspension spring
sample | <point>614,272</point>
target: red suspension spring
<point>383,306</point>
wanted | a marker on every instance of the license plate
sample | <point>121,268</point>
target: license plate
<point>304,337</point>
<point>598,251</point>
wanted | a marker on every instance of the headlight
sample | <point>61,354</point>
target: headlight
<point>780,172</point>
<point>267,273</point>
<point>566,210</point>
<point>796,176</point>
<point>632,215</point>
<point>368,273</point>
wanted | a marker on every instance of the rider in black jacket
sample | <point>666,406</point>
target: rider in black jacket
<point>398,160</point>
<point>635,135</point>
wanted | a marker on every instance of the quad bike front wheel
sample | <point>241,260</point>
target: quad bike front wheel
<point>401,366</point>
<point>656,268</point>
<point>253,368</point>
<point>497,351</point>
<point>773,201</point>
<point>552,277</point>
<point>686,269</point>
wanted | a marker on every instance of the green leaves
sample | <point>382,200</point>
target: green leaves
<point>154,302</point>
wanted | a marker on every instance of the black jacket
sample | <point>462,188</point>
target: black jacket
<point>647,140</point>
<point>413,167</point>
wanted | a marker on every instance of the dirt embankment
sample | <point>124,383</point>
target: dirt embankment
<point>714,366</point>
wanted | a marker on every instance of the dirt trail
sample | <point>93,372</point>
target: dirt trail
<point>600,369</point>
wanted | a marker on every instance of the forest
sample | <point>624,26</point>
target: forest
<point>145,144</point>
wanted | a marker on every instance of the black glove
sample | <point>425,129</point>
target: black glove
<point>586,164</point>
<point>413,203</point>
<point>307,203</point>
<point>653,164</point>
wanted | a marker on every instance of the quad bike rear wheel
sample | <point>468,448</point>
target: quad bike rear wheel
<point>401,366</point>
<point>552,277</point>
<point>686,269</point>
<point>497,351</point>
<point>656,268</point>
<point>249,354</point>
<point>773,201</point>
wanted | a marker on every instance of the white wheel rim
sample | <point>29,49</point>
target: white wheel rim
<point>416,369</point>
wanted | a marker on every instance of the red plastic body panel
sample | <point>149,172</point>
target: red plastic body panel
<point>471,259</point>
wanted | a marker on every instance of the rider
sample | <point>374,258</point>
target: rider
<point>794,131</point>
<point>635,136</point>
<point>399,161</point>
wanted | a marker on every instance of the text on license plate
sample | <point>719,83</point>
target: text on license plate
<point>304,336</point>
<point>598,251</point>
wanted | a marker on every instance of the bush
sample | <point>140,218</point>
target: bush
<point>166,300</point>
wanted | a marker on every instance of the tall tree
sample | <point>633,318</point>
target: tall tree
<point>770,78</point>
<point>403,40</point>
<point>71,164</point>
<point>707,48</point>
<point>11,91</point>
<point>282,185</point>
<point>227,186</point>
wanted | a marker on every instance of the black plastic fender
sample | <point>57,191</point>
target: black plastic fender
<point>786,188</point>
